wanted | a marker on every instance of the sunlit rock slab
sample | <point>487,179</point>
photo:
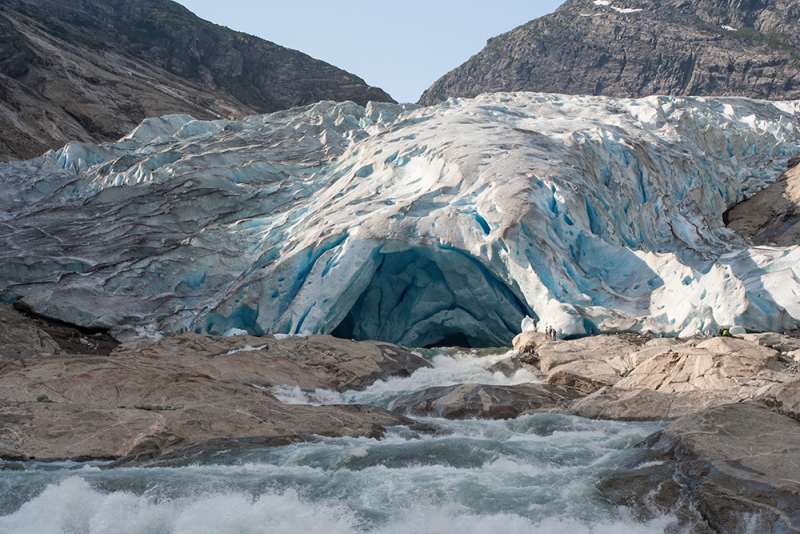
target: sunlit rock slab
<point>146,400</point>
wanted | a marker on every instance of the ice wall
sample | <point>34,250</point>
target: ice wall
<point>412,225</point>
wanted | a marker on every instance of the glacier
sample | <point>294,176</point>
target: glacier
<point>418,226</point>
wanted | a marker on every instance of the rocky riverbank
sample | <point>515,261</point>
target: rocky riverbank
<point>726,463</point>
<point>146,399</point>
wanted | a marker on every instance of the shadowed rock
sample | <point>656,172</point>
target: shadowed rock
<point>785,398</point>
<point>464,401</point>
<point>20,338</point>
<point>584,376</point>
<point>770,216</point>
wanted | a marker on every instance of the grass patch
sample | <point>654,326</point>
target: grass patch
<point>777,41</point>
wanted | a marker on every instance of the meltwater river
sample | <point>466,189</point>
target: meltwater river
<point>533,474</point>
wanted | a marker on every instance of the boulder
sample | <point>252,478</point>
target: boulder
<point>583,376</point>
<point>651,348</point>
<point>527,341</point>
<point>740,463</point>
<point>785,398</point>
<point>509,366</point>
<point>20,338</point>
<point>645,404</point>
<point>194,411</point>
<point>773,340</point>
<point>464,401</point>
<point>339,364</point>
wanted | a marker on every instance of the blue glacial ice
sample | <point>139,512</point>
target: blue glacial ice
<point>420,226</point>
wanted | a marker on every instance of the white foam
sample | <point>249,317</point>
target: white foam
<point>73,506</point>
<point>295,395</point>
<point>448,370</point>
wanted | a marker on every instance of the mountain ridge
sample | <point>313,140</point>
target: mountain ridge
<point>632,49</point>
<point>94,69</point>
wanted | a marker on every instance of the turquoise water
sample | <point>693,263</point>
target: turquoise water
<point>536,473</point>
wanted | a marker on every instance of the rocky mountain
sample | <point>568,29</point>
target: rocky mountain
<point>91,70</point>
<point>635,48</point>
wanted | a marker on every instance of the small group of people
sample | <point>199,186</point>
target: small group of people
<point>551,332</point>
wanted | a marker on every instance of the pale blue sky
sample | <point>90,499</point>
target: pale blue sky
<point>402,47</point>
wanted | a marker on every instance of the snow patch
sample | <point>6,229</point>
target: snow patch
<point>625,10</point>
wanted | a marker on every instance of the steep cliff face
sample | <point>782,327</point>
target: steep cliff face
<point>635,48</point>
<point>91,70</point>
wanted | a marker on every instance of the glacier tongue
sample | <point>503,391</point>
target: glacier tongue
<point>413,225</point>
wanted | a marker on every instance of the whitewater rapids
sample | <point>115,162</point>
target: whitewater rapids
<point>534,474</point>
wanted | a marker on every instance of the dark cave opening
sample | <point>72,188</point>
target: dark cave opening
<point>434,297</point>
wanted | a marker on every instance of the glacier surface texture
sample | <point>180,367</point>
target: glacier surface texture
<point>418,226</point>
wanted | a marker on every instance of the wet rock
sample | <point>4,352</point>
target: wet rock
<point>646,405</point>
<point>740,464</point>
<point>648,491</point>
<point>464,401</point>
<point>509,366</point>
<point>185,390</point>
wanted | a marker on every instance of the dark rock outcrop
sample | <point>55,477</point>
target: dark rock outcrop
<point>464,401</point>
<point>738,465</point>
<point>771,216</point>
<point>636,48</point>
<point>91,70</point>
